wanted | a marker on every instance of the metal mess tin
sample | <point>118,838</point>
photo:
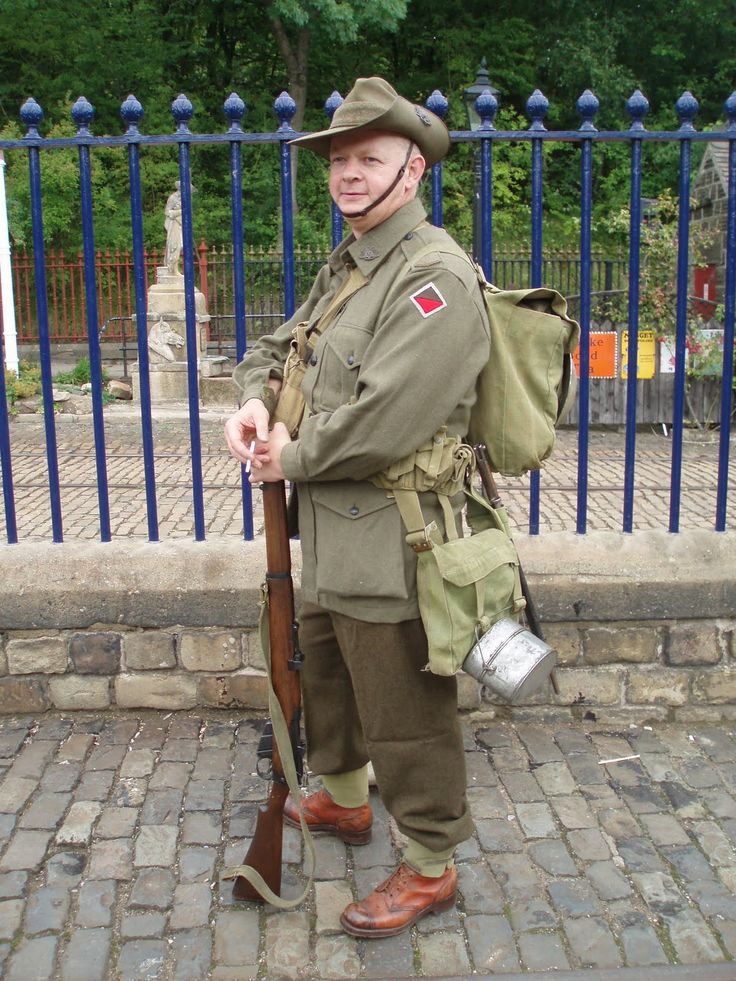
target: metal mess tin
<point>510,660</point>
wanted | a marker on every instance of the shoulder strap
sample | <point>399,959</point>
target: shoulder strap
<point>283,741</point>
<point>350,285</point>
<point>450,247</point>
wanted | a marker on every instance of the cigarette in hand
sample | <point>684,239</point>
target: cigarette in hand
<point>252,448</point>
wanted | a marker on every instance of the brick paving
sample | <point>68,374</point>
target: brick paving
<point>114,829</point>
<point>597,850</point>
<point>222,493</point>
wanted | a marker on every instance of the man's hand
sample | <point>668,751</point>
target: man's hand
<point>248,424</point>
<point>269,463</point>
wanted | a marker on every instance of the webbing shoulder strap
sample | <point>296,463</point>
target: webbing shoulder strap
<point>349,287</point>
<point>449,247</point>
<point>418,533</point>
<point>283,741</point>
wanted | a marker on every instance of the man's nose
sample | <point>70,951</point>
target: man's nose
<point>351,170</point>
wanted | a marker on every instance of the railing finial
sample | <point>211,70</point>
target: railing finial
<point>132,112</point>
<point>333,103</point>
<point>31,114</point>
<point>182,110</point>
<point>587,107</point>
<point>637,106</point>
<point>537,106</point>
<point>687,108</point>
<point>486,105</point>
<point>437,103</point>
<point>729,107</point>
<point>234,109</point>
<point>83,112</point>
<point>284,107</point>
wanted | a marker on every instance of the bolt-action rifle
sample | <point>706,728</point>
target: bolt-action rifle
<point>281,649</point>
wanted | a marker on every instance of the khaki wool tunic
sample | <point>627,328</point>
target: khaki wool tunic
<point>399,361</point>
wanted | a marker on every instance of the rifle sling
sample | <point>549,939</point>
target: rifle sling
<point>283,741</point>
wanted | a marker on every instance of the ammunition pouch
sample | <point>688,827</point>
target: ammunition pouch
<point>442,464</point>
<point>291,405</point>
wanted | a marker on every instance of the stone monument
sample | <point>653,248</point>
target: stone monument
<point>166,321</point>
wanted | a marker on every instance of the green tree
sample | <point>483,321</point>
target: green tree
<point>296,24</point>
<point>59,49</point>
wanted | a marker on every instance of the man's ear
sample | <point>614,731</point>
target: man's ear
<point>415,170</point>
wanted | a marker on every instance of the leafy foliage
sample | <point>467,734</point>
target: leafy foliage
<point>658,267</point>
<point>658,297</point>
<point>81,374</point>
<point>60,49</point>
<point>25,385</point>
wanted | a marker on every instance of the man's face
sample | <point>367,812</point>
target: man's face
<point>362,166</point>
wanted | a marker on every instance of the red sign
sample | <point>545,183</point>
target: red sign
<point>704,286</point>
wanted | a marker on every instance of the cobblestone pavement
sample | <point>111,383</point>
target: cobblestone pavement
<point>222,492</point>
<point>595,848</point>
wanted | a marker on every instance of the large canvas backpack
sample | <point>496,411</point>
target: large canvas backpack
<point>526,386</point>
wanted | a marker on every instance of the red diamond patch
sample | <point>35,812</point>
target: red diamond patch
<point>428,300</point>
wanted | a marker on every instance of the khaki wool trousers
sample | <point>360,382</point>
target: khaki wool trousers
<point>366,697</point>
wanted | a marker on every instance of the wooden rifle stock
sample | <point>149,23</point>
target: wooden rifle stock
<point>264,853</point>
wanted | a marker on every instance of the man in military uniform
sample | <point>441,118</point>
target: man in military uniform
<point>398,361</point>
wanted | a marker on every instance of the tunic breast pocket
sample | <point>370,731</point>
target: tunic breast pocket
<point>337,360</point>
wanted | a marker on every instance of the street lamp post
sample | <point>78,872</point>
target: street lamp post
<point>481,84</point>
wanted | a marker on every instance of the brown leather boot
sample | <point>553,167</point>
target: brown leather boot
<point>395,905</point>
<point>350,824</point>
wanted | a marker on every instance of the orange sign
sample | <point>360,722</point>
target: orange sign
<point>602,357</point>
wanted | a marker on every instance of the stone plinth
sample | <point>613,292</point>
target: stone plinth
<point>168,382</point>
<point>167,338</point>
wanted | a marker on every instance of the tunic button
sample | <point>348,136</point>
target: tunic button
<point>354,510</point>
<point>351,359</point>
<point>409,236</point>
<point>313,360</point>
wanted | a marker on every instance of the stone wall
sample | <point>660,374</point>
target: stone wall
<point>644,625</point>
<point>106,667</point>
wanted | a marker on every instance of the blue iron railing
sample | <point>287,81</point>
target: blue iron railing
<point>586,137</point>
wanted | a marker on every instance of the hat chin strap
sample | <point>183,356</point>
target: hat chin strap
<point>382,197</point>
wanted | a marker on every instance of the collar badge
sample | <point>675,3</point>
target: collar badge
<point>368,253</point>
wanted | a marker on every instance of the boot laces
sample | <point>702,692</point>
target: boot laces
<point>396,881</point>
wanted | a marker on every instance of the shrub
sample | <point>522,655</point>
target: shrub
<point>81,374</point>
<point>25,385</point>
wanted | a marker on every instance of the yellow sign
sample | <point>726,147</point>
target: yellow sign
<point>645,354</point>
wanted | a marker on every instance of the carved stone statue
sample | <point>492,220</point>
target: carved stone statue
<point>172,224</point>
<point>162,340</point>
